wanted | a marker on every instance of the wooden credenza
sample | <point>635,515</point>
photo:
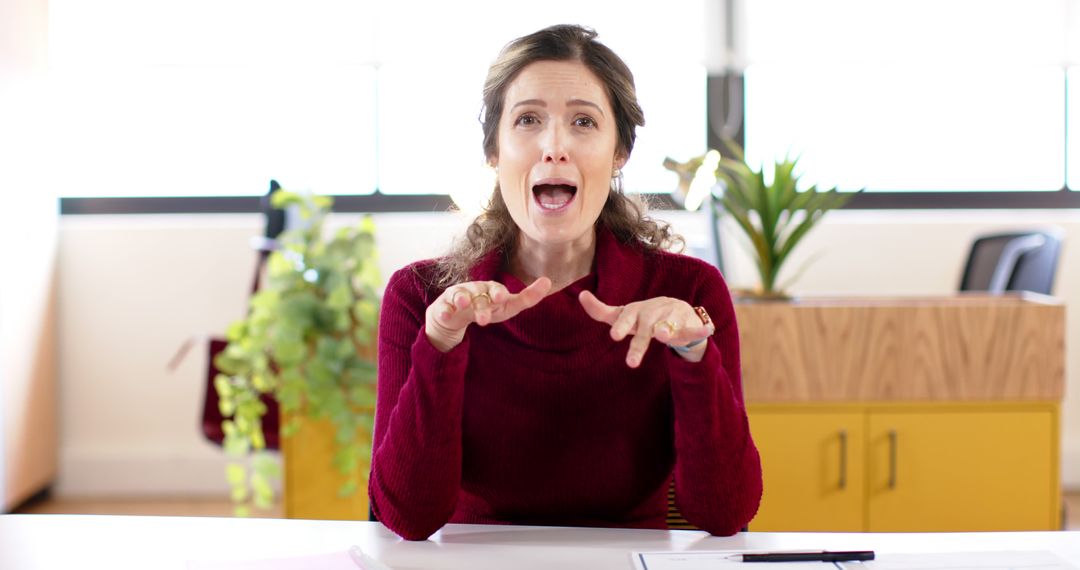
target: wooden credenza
<point>906,414</point>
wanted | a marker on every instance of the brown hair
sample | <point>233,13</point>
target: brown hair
<point>624,216</point>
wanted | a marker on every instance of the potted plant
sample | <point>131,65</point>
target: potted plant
<point>774,215</point>
<point>308,339</point>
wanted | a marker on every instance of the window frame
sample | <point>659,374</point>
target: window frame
<point>718,88</point>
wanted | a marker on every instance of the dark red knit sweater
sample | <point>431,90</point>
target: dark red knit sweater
<point>538,420</point>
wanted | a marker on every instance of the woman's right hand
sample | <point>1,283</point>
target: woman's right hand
<point>480,302</point>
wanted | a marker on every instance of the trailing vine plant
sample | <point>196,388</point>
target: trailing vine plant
<point>308,340</point>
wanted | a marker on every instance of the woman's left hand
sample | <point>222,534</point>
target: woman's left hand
<point>671,321</point>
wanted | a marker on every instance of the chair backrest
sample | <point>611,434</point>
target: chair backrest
<point>1018,261</point>
<point>675,518</point>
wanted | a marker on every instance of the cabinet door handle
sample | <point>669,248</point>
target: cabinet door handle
<point>892,458</point>
<point>843,458</point>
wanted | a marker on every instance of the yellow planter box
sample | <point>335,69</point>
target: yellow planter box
<point>311,480</point>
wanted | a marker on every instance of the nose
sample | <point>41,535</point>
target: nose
<point>553,146</point>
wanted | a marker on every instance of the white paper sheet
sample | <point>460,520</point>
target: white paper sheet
<point>333,561</point>
<point>720,559</point>
<point>352,559</point>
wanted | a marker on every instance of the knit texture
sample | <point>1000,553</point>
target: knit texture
<point>538,420</point>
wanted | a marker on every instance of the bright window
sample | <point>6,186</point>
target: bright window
<point>918,95</point>
<point>1073,129</point>
<point>213,130</point>
<point>216,97</point>
<point>902,128</point>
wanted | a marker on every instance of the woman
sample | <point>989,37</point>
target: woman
<point>518,377</point>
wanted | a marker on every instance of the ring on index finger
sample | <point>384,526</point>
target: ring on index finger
<point>483,295</point>
<point>671,326</point>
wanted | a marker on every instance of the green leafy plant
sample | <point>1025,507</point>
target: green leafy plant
<point>307,340</point>
<point>774,216</point>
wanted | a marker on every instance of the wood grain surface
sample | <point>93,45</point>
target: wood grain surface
<point>968,347</point>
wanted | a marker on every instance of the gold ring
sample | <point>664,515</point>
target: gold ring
<point>671,326</point>
<point>484,295</point>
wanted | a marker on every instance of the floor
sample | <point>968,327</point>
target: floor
<point>222,508</point>
<point>151,507</point>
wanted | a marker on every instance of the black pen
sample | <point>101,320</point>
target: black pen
<point>820,556</point>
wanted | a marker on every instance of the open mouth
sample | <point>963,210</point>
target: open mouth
<point>554,195</point>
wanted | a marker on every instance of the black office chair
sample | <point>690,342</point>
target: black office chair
<point>1021,261</point>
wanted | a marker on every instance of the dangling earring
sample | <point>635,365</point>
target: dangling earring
<point>616,180</point>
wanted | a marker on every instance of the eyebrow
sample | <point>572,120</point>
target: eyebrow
<point>571,102</point>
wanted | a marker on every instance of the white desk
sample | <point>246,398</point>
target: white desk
<point>82,541</point>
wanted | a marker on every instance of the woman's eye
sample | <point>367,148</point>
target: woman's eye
<point>527,120</point>
<point>586,122</point>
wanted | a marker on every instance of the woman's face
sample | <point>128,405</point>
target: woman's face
<point>556,150</point>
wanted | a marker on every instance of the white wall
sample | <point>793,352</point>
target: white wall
<point>28,233</point>
<point>132,289</point>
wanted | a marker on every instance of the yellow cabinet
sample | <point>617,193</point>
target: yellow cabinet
<point>895,467</point>
<point>986,469</point>
<point>812,469</point>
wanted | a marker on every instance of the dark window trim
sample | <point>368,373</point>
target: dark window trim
<point>1035,200</point>
<point>373,203</point>
<point>382,203</point>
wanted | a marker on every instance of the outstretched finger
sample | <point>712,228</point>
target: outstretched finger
<point>640,343</point>
<point>527,297</point>
<point>597,309</point>
<point>625,322</point>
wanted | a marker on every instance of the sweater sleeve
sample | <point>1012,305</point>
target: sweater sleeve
<point>717,467</point>
<point>416,448</point>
